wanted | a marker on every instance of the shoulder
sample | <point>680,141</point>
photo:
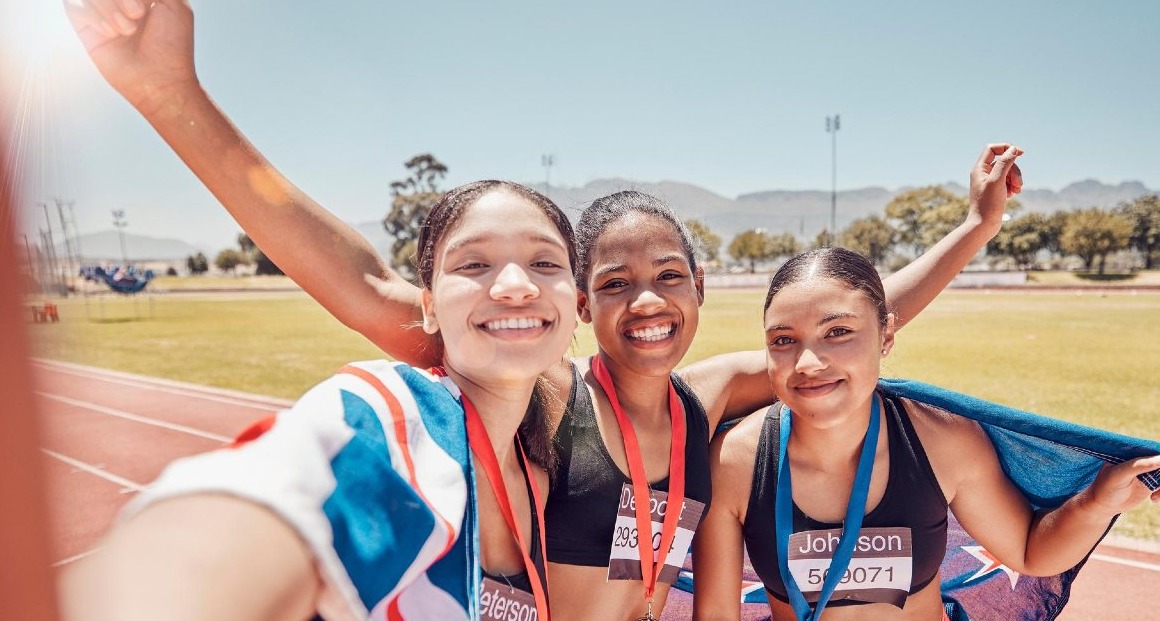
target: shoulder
<point>389,384</point>
<point>946,438</point>
<point>561,386</point>
<point>732,456</point>
<point>713,376</point>
<point>940,429</point>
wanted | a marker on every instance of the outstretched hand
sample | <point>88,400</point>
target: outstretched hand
<point>1116,488</point>
<point>143,49</point>
<point>994,179</point>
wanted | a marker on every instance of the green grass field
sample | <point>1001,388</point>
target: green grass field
<point>1092,358</point>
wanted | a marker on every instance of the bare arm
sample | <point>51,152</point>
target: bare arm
<point>718,548</point>
<point>733,385</point>
<point>195,558</point>
<point>994,178</point>
<point>1061,538</point>
<point>730,385</point>
<point>150,62</point>
<point>995,513</point>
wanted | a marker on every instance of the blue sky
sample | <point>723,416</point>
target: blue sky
<point>732,97</point>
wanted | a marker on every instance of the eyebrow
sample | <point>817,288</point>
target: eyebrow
<point>827,319</point>
<point>478,239</point>
<point>657,262</point>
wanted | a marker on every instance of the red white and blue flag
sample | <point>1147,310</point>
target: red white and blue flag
<point>372,469</point>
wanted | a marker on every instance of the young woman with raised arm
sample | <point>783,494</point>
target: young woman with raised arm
<point>642,297</point>
<point>860,527</point>
<point>387,491</point>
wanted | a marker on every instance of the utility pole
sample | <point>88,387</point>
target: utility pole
<point>120,222</point>
<point>833,124</point>
<point>547,160</point>
<point>50,249</point>
<point>33,275</point>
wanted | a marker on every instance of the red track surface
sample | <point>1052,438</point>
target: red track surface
<point>107,434</point>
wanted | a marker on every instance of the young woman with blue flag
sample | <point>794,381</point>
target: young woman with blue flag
<point>386,491</point>
<point>840,492</point>
<point>618,417</point>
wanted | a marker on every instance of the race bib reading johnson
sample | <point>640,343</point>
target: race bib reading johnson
<point>879,571</point>
<point>501,602</point>
<point>624,560</point>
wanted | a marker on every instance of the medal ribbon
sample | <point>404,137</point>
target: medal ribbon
<point>650,572</point>
<point>855,509</point>
<point>481,446</point>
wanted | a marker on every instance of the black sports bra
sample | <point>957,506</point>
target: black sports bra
<point>913,498</point>
<point>585,492</point>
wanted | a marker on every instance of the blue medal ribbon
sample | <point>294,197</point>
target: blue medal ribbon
<point>855,509</point>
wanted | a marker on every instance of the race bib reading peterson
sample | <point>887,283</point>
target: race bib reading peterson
<point>502,602</point>
<point>624,560</point>
<point>879,571</point>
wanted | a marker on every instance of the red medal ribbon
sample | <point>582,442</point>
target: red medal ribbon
<point>650,571</point>
<point>481,446</point>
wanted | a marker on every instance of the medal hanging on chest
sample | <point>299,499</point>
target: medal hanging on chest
<point>649,615</point>
<point>482,449</point>
<point>650,568</point>
<point>855,510</point>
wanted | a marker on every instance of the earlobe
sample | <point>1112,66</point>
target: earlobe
<point>430,323</point>
<point>582,308</point>
<point>888,335</point>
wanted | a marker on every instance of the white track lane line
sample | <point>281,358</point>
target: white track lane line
<point>95,470</point>
<point>1124,561</point>
<point>256,403</point>
<point>136,418</point>
<point>74,558</point>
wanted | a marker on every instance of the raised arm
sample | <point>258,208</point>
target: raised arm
<point>195,558</point>
<point>733,385</point>
<point>994,178</point>
<point>146,54</point>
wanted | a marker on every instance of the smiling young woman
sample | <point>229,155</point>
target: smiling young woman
<point>859,528</point>
<point>630,431</point>
<point>386,489</point>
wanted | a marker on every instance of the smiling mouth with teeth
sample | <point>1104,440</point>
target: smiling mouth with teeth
<point>655,333</point>
<point>514,323</point>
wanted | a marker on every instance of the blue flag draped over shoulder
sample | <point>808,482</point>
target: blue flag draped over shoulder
<point>1048,460</point>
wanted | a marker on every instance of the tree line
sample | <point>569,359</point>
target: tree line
<point>911,222</point>
<point>229,259</point>
<point>915,220</point>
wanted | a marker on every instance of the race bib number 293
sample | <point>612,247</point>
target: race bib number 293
<point>624,559</point>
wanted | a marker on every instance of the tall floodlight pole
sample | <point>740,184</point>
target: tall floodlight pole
<point>120,222</point>
<point>833,124</point>
<point>548,160</point>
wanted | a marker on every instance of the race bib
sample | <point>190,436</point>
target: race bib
<point>624,560</point>
<point>880,570</point>
<point>502,602</point>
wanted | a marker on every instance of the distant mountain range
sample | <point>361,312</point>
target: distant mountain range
<point>806,212</point>
<point>801,212</point>
<point>105,246</point>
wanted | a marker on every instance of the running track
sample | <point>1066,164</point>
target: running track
<point>106,434</point>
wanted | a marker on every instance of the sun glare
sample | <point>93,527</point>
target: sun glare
<point>34,32</point>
